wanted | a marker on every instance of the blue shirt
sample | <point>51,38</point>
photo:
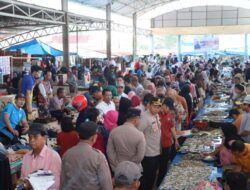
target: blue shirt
<point>139,73</point>
<point>28,82</point>
<point>16,115</point>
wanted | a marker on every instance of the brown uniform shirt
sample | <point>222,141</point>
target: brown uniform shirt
<point>126,143</point>
<point>84,167</point>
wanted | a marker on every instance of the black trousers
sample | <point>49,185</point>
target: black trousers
<point>150,166</point>
<point>7,141</point>
<point>164,161</point>
<point>5,173</point>
<point>181,140</point>
<point>57,114</point>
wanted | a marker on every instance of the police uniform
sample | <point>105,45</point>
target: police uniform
<point>84,167</point>
<point>151,127</point>
<point>126,143</point>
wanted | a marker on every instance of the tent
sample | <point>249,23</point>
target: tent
<point>213,53</point>
<point>36,47</point>
<point>233,53</point>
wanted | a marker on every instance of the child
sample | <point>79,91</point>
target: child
<point>68,137</point>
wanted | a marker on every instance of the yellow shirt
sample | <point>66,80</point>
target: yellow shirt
<point>238,121</point>
<point>244,160</point>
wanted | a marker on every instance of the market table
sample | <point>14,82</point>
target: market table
<point>15,167</point>
<point>188,171</point>
<point>214,112</point>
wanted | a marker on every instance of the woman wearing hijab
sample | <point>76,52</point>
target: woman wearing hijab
<point>110,120</point>
<point>125,104</point>
<point>135,101</point>
<point>185,92</point>
<point>102,136</point>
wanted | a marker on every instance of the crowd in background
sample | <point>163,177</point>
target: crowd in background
<point>133,118</point>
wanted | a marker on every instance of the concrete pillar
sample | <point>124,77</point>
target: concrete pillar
<point>77,40</point>
<point>179,48</point>
<point>134,35</point>
<point>108,31</point>
<point>65,35</point>
<point>246,46</point>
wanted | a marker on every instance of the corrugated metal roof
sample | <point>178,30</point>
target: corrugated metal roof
<point>125,7</point>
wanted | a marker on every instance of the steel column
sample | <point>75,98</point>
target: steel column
<point>179,47</point>
<point>246,46</point>
<point>65,31</point>
<point>77,40</point>
<point>108,30</point>
<point>134,35</point>
<point>151,42</point>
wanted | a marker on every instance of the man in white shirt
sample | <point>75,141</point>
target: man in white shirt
<point>106,104</point>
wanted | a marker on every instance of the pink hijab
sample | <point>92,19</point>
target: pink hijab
<point>110,120</point>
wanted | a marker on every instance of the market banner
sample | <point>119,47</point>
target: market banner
<point>5,65</point>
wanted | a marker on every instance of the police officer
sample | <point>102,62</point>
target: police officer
<point>84,167</point>
<point>126,176</point>
<point>151,127</point>
<point>127,143</point>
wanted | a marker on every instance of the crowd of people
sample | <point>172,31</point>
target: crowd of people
<point>129,126</point>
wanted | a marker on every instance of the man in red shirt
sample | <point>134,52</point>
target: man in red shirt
<point>168,136</point>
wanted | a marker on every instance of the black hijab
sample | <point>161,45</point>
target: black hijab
<point>185,90</point>
<point>125,104</point>
<point>230,133</point>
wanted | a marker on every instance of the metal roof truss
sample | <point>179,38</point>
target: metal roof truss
<point>31,12</point>
<point>40,21</point>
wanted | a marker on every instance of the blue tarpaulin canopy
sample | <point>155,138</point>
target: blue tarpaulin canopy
<point>36,47</point>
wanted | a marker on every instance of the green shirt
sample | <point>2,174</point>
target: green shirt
<point>112,88</point>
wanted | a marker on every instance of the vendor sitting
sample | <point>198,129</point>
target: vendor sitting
<point>11,116</point>
<point>57,104</point>
<point>241,153</point>
<point>240,93</point>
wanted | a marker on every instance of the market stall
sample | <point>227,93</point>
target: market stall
<point>192,168</point>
